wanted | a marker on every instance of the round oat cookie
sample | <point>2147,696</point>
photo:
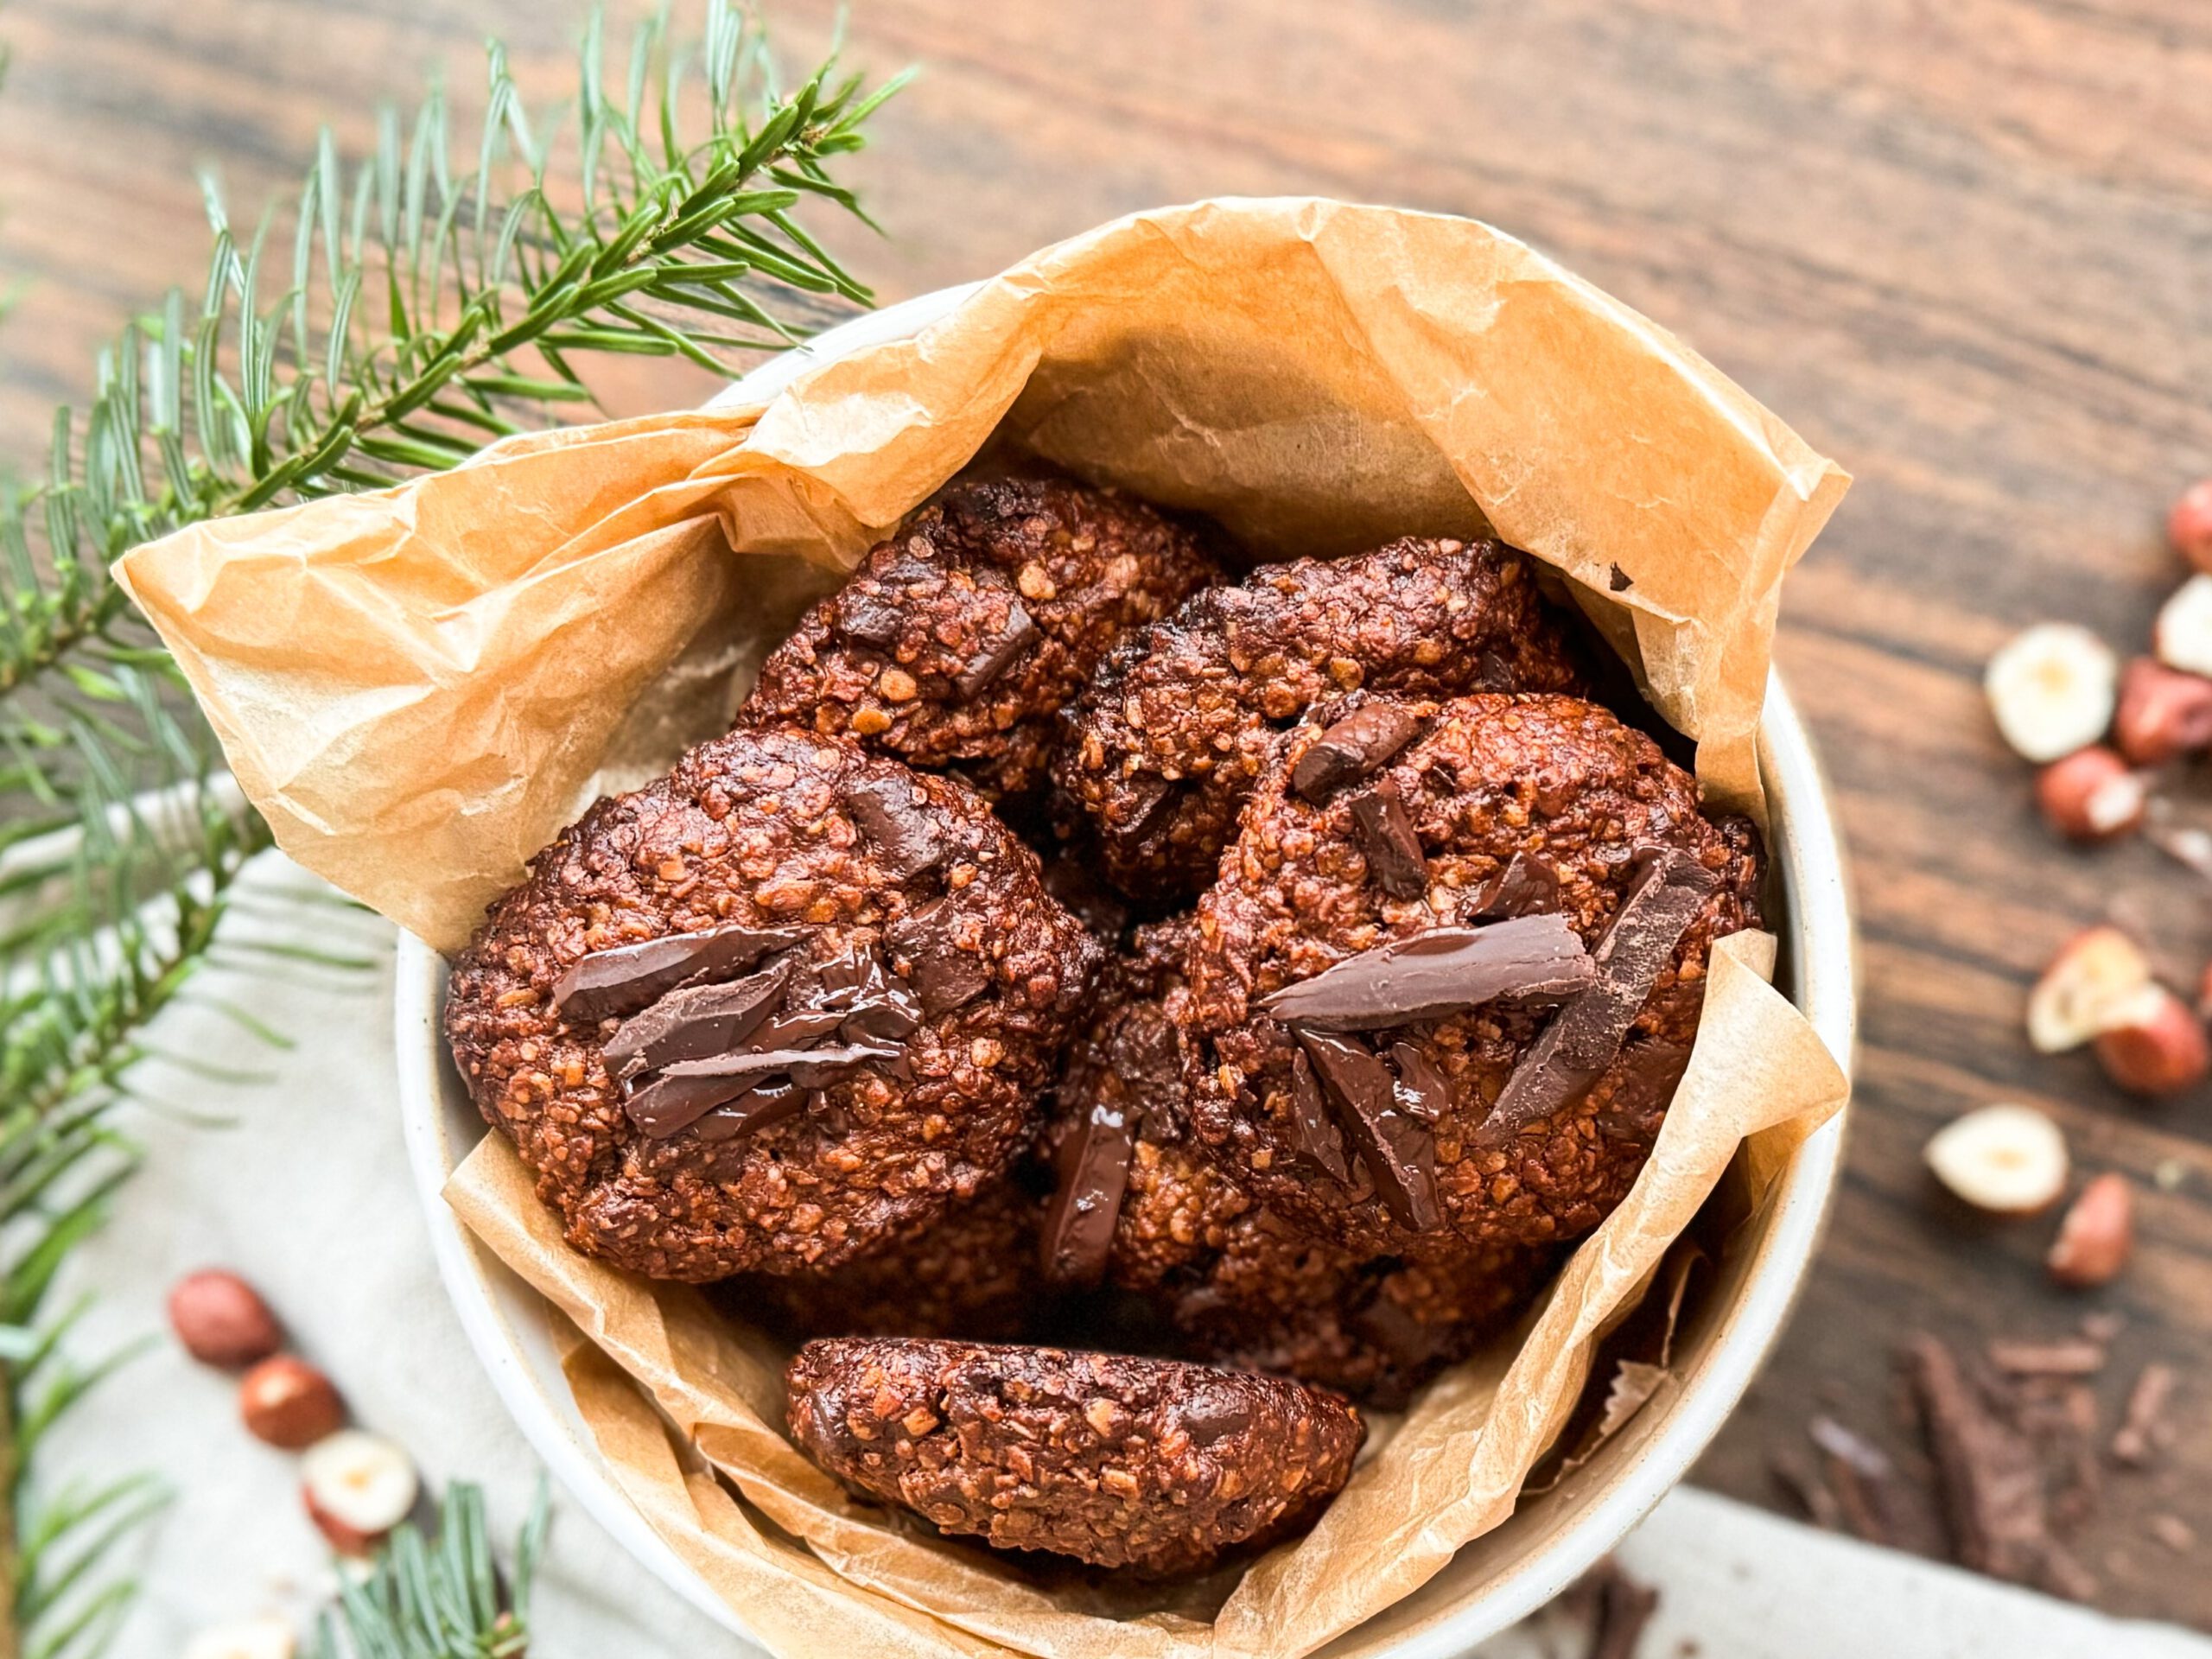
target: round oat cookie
<point>1237,1283</point>
<point>1148,1464</point>
<point>789,999</point>
<point>1181,718</point>
<point>954,644</point>
<point>1438,1002</point>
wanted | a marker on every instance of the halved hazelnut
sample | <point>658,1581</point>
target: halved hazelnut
<point>2183,634</point>
<point>357,1486</point>
<point>2154,1044</point>
<point>288,1403</point>
<point>2052,688</point>
<point>2164,714</point>
<point>2096,1235</point>
<point>2093,974</point>
<point>2188,524</point>
<point>2091,795</point>
<point>2004,1160</point>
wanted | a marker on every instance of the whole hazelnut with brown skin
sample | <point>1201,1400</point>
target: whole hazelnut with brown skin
<point>2091,795</point>
<point>2155,1045</point>
<point>2096,1235</point>
<point>2188,524</point>
<point>288,1403</point>
<point>221,1320</point>
<point>2164,714</point>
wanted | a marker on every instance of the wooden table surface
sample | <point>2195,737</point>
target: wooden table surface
<point>1966,249</point>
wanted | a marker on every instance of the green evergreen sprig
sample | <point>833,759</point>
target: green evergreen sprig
<point>440,1598</point>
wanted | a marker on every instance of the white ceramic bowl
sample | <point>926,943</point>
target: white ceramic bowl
<point>1495,1581</point>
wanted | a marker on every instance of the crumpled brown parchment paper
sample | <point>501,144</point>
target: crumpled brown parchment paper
<point>419,687</point>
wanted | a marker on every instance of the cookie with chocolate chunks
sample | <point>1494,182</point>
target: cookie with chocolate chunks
<point>1139,1210</point>
<point>956,642</point>
<point>1150,1464</point>
<point>788,1001</point>
<point>1184,716</point>
<point>1484,1063</point>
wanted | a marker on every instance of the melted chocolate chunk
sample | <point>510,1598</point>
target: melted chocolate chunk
<point>1319,1141</point>
<point>756,1109</point>
<point>1394,861</point>
<point>1443,971</point>
<point>1351,748</point>
<point>695,1022</point>
<point>906,837</point>
<point>1397,1148</point>
<point>678,1094</point>
<point>624,978</point>
<point>1586,1034</point>
<point>874,1006</point>
<point>1421,1090</point>
<point>1094,1174</point>
<point>868,617</point>
<point>1526,886</point>
<point>945,976</point>
<point>987,664</point>
<point>1213,1413</point>
<point>1652,1072</point>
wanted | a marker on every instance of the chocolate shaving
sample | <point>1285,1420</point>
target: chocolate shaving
<point>2144,1430</point>
<point>1319,1141</point>
<point>1443,971</point>
<point>944,976</point>
<point>695,1022</point>
<point>1397,1147</point>
<point>1620,1608</point>
<point>623,978</point>
<point>1391,843</point>
<point>2068,1357</point>
<point>1526,886</point>
<point>1093,1174</point>
<point>906,838</point>
<point>1584,1037</point>
<point>1353,748</point>
<point>1862,1478</point>
<point>988,663</point>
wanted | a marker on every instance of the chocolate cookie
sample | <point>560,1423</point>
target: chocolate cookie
<point>753,1016</point>
<point>1181,719</point>
<point>972,1272</point>
<point>955,644</point>
<point>1439,1002</point>
<point>1148,1464</point>
<point>1138,1208</point>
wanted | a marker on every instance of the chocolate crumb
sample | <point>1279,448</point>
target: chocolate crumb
<point>1440,972</point>
<point>1619,581</point>
<point>1353,748</point>
<point>1386,836</point>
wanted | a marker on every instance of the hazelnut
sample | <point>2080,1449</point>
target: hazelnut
<point>2096,1235</point>
<point>2091,795</point>
<point>2164,714</point>
<point>2052,689</point>
<point>2096,972</point>
<point>2188,524</point>
<point>2183,634</point>
<point>288,1403</point>
<point>2004,1159</point>
<point>2154,1044</point>
<point>221,1320</point>
<point>357,1486</point>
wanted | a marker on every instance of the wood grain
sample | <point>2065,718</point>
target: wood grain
<point>1963,248</point>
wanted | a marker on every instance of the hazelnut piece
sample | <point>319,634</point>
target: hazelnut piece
<point>2188,524</point>
<point>221,1320</point>
<point>2183,634</point>
<point>2164,714</point>
<point>2091,795</point>
<point>2004,1159</point>
<point>2154,1044</point>
<point>288,1403</point>
<point>2052,688</point>
<point>357,1486</point>
<point>2095,973</point>
<point>2096,1235</point>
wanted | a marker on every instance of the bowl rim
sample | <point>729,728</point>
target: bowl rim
<point>503,1319</point>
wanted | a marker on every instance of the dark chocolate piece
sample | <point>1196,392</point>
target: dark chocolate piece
<point>890,813</point>
<point>1646,1089</point>
<point>1397,1148</point>
<point>1318,1141</point>
<point>874,1006</point>
<point>674,1097</point>
<point>624,978</point>
<point>1396,862</point>
<point>1585,1035</point>
<point>1094,1174</point>
<point>1526,886</point>
<point>756,1109</point>
<point>868,616</point>
<point>1353,748</point>
<point>695,1022</point>
<point>1411,1343</point>
<point>1440,972</point>
<point>944,975</point>
<point>1421,1090</point>
<point>1213,1413</point>
<point>993,659</point>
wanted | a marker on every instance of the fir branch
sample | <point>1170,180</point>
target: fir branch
<point>440,1598</point>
